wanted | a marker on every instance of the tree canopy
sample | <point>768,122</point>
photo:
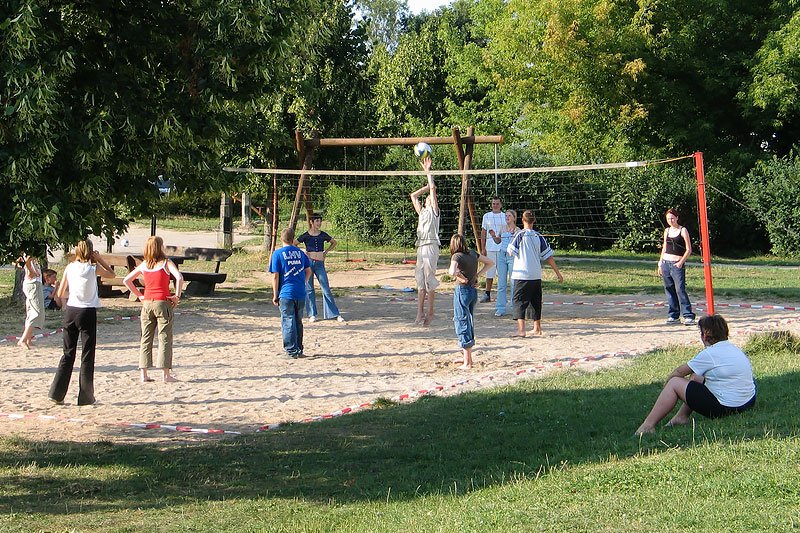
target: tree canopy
<point>98,98</point>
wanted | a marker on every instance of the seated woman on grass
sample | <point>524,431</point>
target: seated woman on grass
<point>719,383</point>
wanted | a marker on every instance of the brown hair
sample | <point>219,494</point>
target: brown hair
<point>287,236</point>
<point>673,211</point>
<point>315,216</point>
<point>83,251</point>
<point>714,328</point>
<point>528,216</point>
<point>154,251</point>
<point>458,244</point>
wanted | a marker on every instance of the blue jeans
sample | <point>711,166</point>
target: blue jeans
<point>464,299</point>
<point>292,325</point>
<point>675,289</point>
<point>329,310</point>
<point>505,263</point>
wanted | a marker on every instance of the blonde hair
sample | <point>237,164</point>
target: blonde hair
<point>84,251</point>
<point>154,251</point>
<point>458,244</point>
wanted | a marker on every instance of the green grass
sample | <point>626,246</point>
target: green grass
<point>549,454</point>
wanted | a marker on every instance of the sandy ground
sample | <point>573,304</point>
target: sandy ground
<point>234,376</point>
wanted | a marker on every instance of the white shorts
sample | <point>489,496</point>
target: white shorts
<point>425,273</point>
<point>493,255</point>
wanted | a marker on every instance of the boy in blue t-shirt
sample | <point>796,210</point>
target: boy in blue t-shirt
<point>290,269</point>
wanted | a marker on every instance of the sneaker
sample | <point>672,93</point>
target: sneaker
<point>498,313</point>
<point>56,402</point>
<point>689,322</point>
<point>485,298</point>
<point>312,319</point>
<point>340,318</point>
<point>671,320</point>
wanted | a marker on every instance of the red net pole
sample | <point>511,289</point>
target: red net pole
<point>702,209</point>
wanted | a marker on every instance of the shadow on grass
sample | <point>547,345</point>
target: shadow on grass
<point>433,446</point>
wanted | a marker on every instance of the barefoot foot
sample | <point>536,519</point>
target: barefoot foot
<point>170,379</point>
<point>678,421</point>
<point>517,335</point>
<point>465,367</point>
<point>643,429</point>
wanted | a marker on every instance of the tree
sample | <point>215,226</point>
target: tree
<point>100,97</point>
<point>773,93</point>
<point>384,20</point>
<point>437,77</point>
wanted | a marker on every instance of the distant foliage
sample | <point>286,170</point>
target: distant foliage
<point>638,200</point>
<point>772,191</point>
<point>199,204</point>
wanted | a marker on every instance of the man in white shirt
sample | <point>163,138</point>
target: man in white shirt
<point>494,221</point>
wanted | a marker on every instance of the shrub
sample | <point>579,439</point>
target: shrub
<point>772,191</point>
<point>200,204</point>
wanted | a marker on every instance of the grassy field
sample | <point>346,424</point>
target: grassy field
<point>549,454</point>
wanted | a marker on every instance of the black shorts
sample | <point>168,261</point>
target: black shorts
<point>702,401</point>
<point>527,299</point>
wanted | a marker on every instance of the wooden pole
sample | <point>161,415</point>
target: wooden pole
<point>273,240</point>
<point>462,205</point>
<point>306,157</point>
<point>470,201</point>
<point>402,141</point>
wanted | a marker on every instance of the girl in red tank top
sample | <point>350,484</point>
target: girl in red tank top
<point>158,306</point>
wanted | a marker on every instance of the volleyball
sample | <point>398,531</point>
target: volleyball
<point>422,150</point>
<point>124,242</point>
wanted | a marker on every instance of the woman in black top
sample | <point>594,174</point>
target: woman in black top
<point>464,268</point>
<point>676,249</point>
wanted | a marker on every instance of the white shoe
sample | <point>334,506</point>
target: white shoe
<point>340,318</point>
<point>312,319</point>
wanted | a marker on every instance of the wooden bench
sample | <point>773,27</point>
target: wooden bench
<point>107,287</point>
<point>201,283</point>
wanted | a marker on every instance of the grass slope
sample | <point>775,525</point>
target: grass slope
<point>546,454</point>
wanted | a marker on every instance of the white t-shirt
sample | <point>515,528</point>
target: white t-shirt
<point>728,373</point>
<point>82,283</point>
<point>495,221</point>
<point>428,227</point>
<point>529,249</point>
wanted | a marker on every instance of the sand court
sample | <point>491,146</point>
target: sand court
<point>234,376</point>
